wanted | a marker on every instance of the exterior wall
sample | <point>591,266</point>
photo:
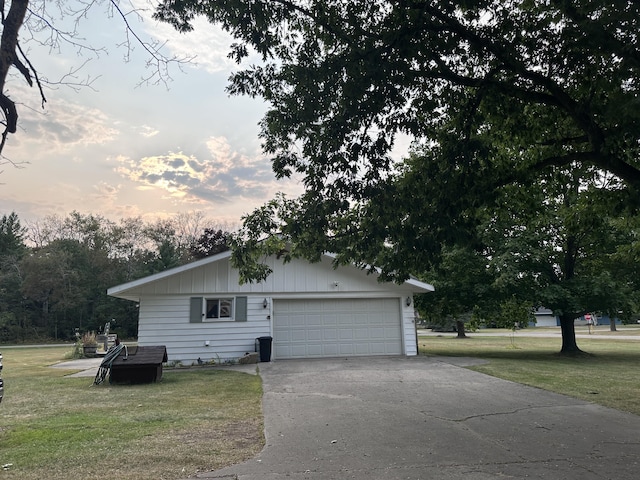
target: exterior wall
<point>408,316</point>
<point>164,315</point>
<point>546,318</point>
<point>164,320</point>
<point>295,277</point>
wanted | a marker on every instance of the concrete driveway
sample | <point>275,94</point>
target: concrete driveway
<point>427,418</point>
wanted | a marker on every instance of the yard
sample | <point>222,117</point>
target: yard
<point>58,428</point>
<point>201,419</point>
<point>609,374</point>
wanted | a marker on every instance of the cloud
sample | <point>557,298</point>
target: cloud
<point>105,191</point>
<point>147,131</point>
<point>65,125</point>
<point>207,42</point>
<point>225,176</point>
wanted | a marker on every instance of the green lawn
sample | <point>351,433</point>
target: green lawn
<point>201,419</point>
<point>53,427</point>
<point>609,375</point>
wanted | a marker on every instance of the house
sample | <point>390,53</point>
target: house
<point>200,311</point>
<point>546,318</point>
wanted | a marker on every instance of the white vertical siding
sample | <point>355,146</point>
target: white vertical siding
<point>409,327</point>
<point>164,320</point>
<point>297,276</point>
<point>164,303</point>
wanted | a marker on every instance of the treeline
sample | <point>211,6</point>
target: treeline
<point>54,273</point>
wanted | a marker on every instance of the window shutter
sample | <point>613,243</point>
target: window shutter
<point>195,311</point>
<point>241,309</point>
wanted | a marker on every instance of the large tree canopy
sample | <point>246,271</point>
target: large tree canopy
<point>544,83</point>
<point>493,93</point>
<point>558,79</point>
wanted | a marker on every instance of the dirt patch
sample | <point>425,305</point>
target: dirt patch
<point>241,434</point>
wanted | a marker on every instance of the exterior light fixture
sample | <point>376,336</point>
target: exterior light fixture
<point>265,303</point>
<point>408,302</point>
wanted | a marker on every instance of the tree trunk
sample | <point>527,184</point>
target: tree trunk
<point>569,345</point>
<point>460,329</point>
<point>612,324</point>
<point>9,40</point>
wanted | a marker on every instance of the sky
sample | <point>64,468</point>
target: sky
<point>120,149</point>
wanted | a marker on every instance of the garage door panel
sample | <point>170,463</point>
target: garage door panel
<point>297,335</point>
<point>330,350</point>
<point>330,334</point>
<point>336,327</point>
<point>314,335</point>
<point>347,349</point>
<point>282,351</point>
<point>360,333</point>
<point>345,334</point>
<point>379,333</point>
<point>313,319</point>
<point>378,348</point>
<point>330,320</point>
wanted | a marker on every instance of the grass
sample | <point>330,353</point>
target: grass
<point>202,419</point>
<point>53,427</point>
<point>609,375</point>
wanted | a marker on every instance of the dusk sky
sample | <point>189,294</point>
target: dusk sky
<point>120,149</point>
<point>124,150</point>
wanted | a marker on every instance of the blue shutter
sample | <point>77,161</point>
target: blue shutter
<point>195,310</point>
<point>241,309</point>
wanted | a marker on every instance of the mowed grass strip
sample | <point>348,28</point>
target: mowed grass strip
<point>608,375</point>
<point>194,420</point>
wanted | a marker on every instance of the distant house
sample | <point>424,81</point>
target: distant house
<point>311,310</point>
<point>546,318</point>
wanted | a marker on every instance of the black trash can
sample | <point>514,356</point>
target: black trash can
<point>263,347</point>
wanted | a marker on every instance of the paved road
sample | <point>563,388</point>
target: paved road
<point>424,418</point>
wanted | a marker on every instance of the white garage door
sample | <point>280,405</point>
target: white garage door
<point>330,328</point>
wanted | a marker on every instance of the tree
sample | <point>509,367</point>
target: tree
<point>37,24</point>
<point>344,78</point>
<point>211,242</point>
<point>67,273</point>
<point>463,288</point>
<point>496,93</point>
<point>12,235</point>
<point>553,242</point>
<point>12,249</point>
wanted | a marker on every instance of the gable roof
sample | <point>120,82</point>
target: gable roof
<point>132,290</point>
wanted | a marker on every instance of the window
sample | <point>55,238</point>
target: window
<point>219,309</point>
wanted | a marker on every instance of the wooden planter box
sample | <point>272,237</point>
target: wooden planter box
<point>138,365</point>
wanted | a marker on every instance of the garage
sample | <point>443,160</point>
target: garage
<point>202,311</point>
<point>312,328</point>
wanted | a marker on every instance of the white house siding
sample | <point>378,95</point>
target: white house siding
<point>409,327</point>
<point>297,276</point>
<point>545,318</point>
<point>164,299</point>
<point>164,320</point>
